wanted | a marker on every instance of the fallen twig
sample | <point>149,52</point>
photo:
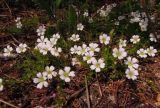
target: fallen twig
<point>15,39</point>
<point>73,96</point>
<point>87,93</point>
<point>9,104</point>
<point>8,8</point>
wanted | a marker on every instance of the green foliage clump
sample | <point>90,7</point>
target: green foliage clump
<point>31,22</point>
<point>14,30</point>
<point>31,64</point>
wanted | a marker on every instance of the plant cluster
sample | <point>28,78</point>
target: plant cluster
<point>103,41</point>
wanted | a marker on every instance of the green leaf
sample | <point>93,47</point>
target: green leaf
<point>58,2</point>
<point>71,18</point>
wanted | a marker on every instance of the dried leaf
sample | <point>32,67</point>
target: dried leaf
<point>158,97</point>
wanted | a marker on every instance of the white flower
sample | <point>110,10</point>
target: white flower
<point>152,38</point>
<point>49,72</point>
<point>136,17</point>
<point>80,27</point>
<point>120,53</point>
<point>1,85</point>
<point>122,43</point>
<point>82,50</point>
<point>75,61</point>
<point>21,48</point>
<point>44,48</point>
<point>93,47</point>
<point>103,13</point>
<point>55,51</point>
<point>89,57</point>
<point>104,39</point>
<point>85,14</point>
<point>143,25</point>
<point>141,18</point>
<point>66,74</point>
<point>74,37</point>
<point>116,23</point>
<point>41,30</point>
<point>40,81</point>
<point>54,39</point>
<point>151,51</point>
<point>97,65</point>
<point>90,20</point>
<point>17,19</point>
<point>142,53</point>
<point>135,39</point>
<point>121,17</point>
<point>18,22</point>
<point>56,36</point>
<point>7,51</point>
<point>41,39</point>
<point>74,49</point>
<point>132,62</point>
<point>19,25</point>
<point>131,74</point>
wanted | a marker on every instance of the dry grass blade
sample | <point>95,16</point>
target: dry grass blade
<point>99,87</point>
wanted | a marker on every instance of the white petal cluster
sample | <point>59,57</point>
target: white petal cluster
<point>54,38</point>
<point>122,43</point>
<point>8,50</point>
<point>151,51</point>
<point>104,39</point>
<point>152,37</point>
<point>21,48</point>
<point>121,17</point>
<point>89,57</point>
<point>45,45</point>
<point>1,84</point>
<point>74,49</point>
<point>75,61</point>
<point>88,54</point>
<point>97,65</point>
<point>131,73</point>
<point>142,53</point>
<point>90,20</point>
<point>132,62</point>
<point>116,23</point>
<point>140,18</point>
<point>56,51</point>
<point>135,39</point>
<point>85,14</point>
<point>93,47</point>
<point>119,53</point>
<point>66,74</point>
<point>105,10</point>
<point>74,37</point>
<point>50,72</point>
<point>80,26</point>
<point>40,81</point>
<point>82,49</point>
<point>18,22</point>
<point>42,77</point>
<point>41,30</point>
